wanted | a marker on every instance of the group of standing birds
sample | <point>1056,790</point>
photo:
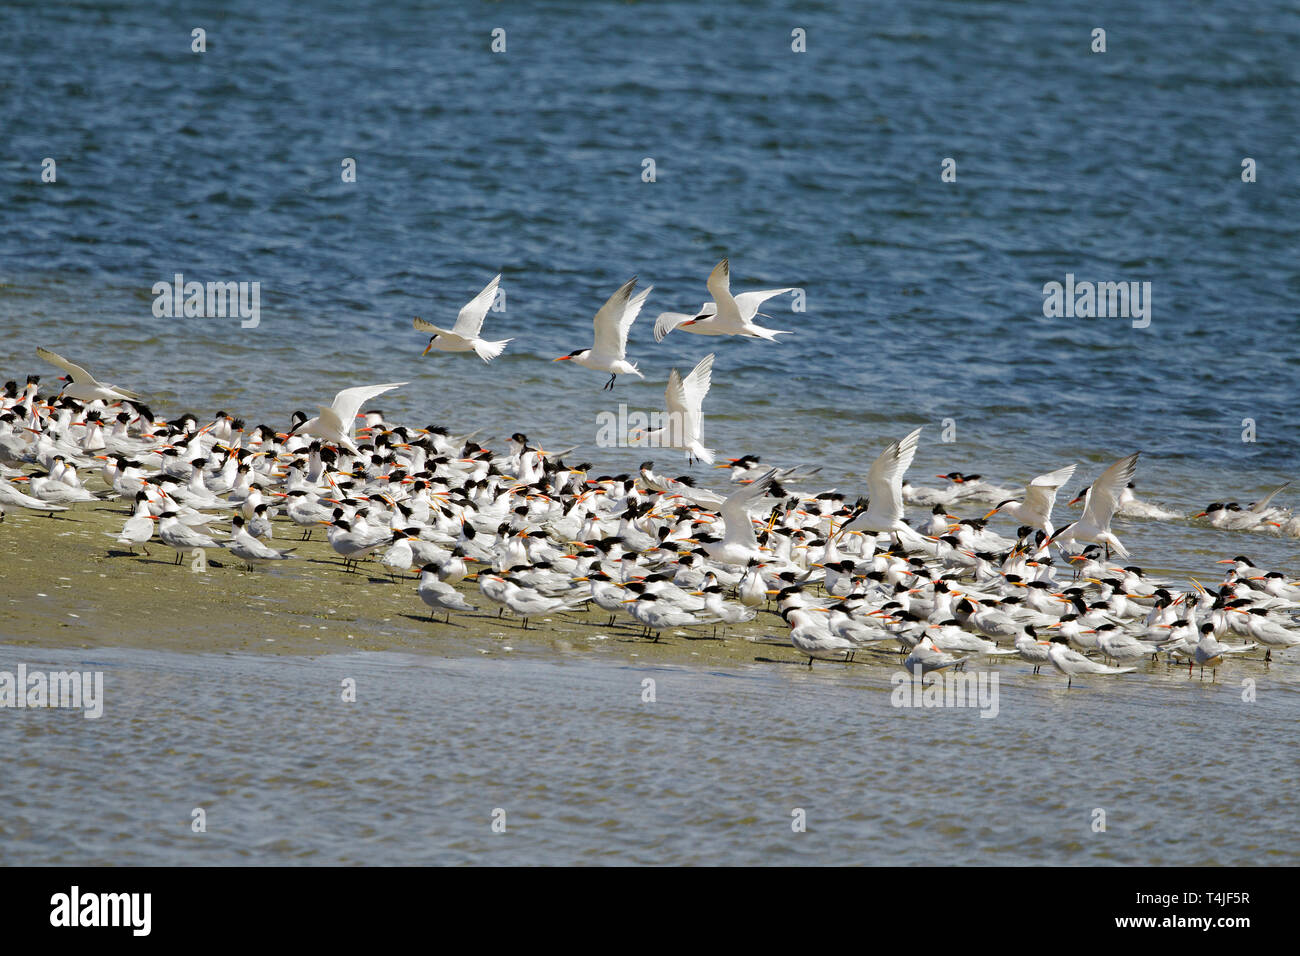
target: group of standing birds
<point>540,537</point>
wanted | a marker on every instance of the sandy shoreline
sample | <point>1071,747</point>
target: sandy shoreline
<point>67,584</point>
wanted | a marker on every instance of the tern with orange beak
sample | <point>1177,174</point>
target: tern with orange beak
<point>1100,502</point>
<point>611,325</point>
<point>1040,497</point>
<point>335,423</point>
<point>465,335</point>
<point>82,385</point>
<point>726,314</point>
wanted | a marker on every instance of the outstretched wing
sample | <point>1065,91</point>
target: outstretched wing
<point>735,510</point>
<point>1104,496</point>
<point>611,324</point>
<point>423,326</point>
<point>79,374</point>
<point>349,401</point>
<point>719,283</point>
<point>885,479</point>
<point>1040,495</point>
<point>470,321</point>
<point>1260,506</point>
<point>685,397</point>
<point>749,302</point>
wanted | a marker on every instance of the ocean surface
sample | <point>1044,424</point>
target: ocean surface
<point>819,170</point>
<point>578,768</point>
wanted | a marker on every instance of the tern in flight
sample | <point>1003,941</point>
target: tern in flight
<point>685,400</point>
<point>1040,497</point>
<point>615,318</point>
<point>884,511</point>
<point>726,314</point>
<point>1099,505</point>
<point>82,385</point>
<point>465,335</point>
<point>335,423</point>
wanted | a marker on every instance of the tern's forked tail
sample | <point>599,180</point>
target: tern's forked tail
<point>487,351</point>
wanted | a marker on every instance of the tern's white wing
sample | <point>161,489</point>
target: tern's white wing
<point>470,321</point>
<point>612,322</point>
<point>750,302</point>
<point>719,283</point>
<point>735,511</point>
<point>668,321</point>
<point>1260,506</point>
<point>423,326</point>
<point>349,401</point>
<point>79,374</point>
<point>885,479</point>
<point>685,398</point>
<point>1040,495</point>
<point>1103,497</point>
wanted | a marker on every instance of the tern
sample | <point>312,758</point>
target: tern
<point>739,545</point>
<point>248,549</point>
<point>1071,663</point>
<point>82,385</point>
<point>465,335</point>
<point>685,400</point>
<point>726,314</point>
<point>335,423</point>
<point>1100,502</point>
<point>1040,496</point>
<point>438,595</point>
<point>884,511</point>
<point>611,325</point>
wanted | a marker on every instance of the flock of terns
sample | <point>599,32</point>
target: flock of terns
<point>541,537</point>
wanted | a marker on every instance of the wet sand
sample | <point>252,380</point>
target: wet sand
<point>65,583</point>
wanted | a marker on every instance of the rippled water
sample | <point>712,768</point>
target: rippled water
<point>585,771</point>
<point>817,170</point>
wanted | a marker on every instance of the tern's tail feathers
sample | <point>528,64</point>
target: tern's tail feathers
<point>767,335</point>
<point>1115,546</point>
<point>487,351</point>
<point>703,454</point>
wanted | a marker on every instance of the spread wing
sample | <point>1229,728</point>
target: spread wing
<point>719,283</point>
<point>668,321</point>
<point>1260,506</point>
<point>423,326</point>
<point>79,374</point>
<point>612,322</point>
<point>735,510</point>
<point>470,321</point>
<point>885,479</point>
<point>349,401</point>
<point>1104,496</point>
<point>749,302</point>
<point>1040,496</point>
<point>685,397</point>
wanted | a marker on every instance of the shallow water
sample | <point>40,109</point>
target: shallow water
<point>587,772</point>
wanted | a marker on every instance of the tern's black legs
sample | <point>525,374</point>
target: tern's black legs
<point>609,386</point>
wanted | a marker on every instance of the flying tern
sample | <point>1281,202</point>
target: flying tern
<point>465,335</point>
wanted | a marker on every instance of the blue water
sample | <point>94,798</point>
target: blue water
<point>819,170</point>
<point>586,771</point>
